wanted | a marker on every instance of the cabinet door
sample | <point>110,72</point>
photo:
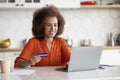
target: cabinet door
<point>110,57</point>
<point>11,3</point>
<point>11,56</point>
<point>20,4</point>
<point>7,3</point>
<point>28,4</point>
<point>1,55</point>
<point>33,4</point>
<point>63,3</point>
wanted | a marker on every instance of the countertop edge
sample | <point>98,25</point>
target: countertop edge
<point>111,47</point>
<point>20,49</point>
<point>11,49</point>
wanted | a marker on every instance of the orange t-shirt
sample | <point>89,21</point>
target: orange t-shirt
<point>58,55</point>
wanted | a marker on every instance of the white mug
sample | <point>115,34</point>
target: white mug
<point>5,66</point>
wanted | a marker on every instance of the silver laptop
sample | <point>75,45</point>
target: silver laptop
<point>84,58</point>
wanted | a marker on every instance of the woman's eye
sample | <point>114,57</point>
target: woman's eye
<point>48,25</point>
<point>55,25</point>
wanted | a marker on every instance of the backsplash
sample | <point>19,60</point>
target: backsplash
<point>94,24</point>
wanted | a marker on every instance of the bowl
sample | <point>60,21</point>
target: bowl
<point>88,3</point>
<point>5,43</point>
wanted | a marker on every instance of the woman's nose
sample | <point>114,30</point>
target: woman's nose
<point>52,27</point>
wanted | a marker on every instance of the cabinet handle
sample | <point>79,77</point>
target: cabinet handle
<point>21,4</point>
<point>17,4</point>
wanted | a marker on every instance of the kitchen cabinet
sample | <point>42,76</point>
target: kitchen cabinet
<point>39,3</point>
<point>11,56</point>
<point>110,57</point>
<point>63,3</point>
<point>1,55</point>
<point>20,3</point>
<point>57,3</point>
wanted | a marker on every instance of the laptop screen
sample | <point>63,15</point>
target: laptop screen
<point>85,58</point>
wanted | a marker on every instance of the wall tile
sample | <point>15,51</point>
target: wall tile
<point>94,24</point>
<point>115,13</point>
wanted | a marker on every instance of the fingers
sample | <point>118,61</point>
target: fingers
<point>35,59</point>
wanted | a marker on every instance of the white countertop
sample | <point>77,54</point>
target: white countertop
<point>50,73</point>
<point>20,49</point>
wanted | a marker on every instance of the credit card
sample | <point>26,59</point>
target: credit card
<point>43,54</point>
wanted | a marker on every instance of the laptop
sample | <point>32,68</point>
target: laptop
<point>83,58</point>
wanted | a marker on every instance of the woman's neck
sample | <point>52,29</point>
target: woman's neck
<point>49,42</point>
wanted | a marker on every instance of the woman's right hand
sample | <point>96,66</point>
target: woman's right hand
<point>35,59</point>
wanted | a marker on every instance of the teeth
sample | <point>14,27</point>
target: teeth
<point>51,32</point>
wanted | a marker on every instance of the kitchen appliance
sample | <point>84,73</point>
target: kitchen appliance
<point>118,40</point>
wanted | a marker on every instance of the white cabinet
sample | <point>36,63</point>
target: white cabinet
<point>1,55</point>
<point>7,3</point>
<point>39,3</point>
<point>110,57</point>
<point>20,3</point>
<point>63,3</point>
<point>11,56</point>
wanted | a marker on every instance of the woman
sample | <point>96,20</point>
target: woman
<point>48,24</point>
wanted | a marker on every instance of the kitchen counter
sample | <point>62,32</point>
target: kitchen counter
<point>50,73</point>
<point>20,49</point>
<point>10,49</point>
<point>112,47</point>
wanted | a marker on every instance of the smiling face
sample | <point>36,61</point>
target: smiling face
<point>51,27</point>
